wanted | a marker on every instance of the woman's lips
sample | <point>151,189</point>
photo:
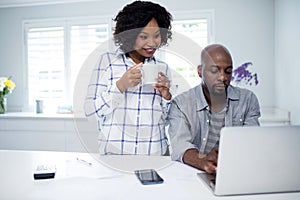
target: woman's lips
<point>150,51</point>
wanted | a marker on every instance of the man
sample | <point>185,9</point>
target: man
<point>197,115</point>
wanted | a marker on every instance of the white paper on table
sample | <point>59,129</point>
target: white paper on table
<point>77,168</point>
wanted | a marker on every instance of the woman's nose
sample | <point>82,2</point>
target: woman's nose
<point>153,42</point>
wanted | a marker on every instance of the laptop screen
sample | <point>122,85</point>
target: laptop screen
<point>251,160</point>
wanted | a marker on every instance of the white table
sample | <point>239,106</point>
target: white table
<point>111,177</point>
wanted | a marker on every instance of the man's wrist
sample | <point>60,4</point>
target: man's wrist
<point>194,158</point>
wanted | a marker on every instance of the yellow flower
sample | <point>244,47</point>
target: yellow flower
<point>6,86</point>
<point>9,84</point>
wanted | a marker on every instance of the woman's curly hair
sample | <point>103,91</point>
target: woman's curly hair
<point>134,17</point>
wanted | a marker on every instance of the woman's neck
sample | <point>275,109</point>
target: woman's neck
<point>137,58</point>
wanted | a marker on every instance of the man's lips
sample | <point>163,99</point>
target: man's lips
<point>220,86</point>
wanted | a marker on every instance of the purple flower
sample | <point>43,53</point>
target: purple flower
<point>242,73</point>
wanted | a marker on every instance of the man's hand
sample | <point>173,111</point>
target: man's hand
<point>210,161</point>
<point>130,78</point>
<point>203,162</point>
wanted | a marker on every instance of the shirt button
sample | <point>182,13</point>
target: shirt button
<point>207,121</point>
<point>204,139</point>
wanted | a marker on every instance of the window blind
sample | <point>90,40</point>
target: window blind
<point>46,66</point>
<point>55,56</point>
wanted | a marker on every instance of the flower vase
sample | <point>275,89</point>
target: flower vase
<point>3,105</point>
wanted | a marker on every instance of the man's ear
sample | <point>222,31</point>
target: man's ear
<point>200,71</point>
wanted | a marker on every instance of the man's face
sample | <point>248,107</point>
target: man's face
<point>216,71</point>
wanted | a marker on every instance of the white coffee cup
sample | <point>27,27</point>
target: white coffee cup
<point>150,72</point>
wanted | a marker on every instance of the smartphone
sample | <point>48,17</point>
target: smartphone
<point>148,176</point>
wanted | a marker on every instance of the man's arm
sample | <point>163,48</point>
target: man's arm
<point>200,161</point>
<point>251,117</point>
<point>181,137</point>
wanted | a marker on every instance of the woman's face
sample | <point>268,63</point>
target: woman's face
<point>148,40</point>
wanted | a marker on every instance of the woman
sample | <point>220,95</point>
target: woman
<point>131,115</point>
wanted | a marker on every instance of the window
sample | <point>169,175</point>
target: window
<point>184,73</point>
<point>46,66</point>
<point>55,53</point>
<point>56,49</point>
<point>194,30</point>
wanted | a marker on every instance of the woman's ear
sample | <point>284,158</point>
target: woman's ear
<point>200,71</point>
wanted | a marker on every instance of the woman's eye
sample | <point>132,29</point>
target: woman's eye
<point>157,36</point>
<point>143,37</point>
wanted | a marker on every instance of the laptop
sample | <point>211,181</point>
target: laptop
<point>255,160</point>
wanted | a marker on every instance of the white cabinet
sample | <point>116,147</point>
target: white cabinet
<point>63,132</point>
<point>272,116</point>
<point>57,132</point>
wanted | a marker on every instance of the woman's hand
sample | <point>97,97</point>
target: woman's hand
<point>130,78</point>
<point>163,86</point>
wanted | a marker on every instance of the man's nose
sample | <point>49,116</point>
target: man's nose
<point>222,76</point>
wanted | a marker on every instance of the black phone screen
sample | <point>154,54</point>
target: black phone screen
<point>148,176</point>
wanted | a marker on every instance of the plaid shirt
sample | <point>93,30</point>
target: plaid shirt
<point>132,122</point>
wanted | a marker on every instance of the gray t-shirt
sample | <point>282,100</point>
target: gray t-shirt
<point>216,122</point>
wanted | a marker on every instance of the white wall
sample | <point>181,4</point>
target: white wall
<point>245,27</point>
<point>287,43</point>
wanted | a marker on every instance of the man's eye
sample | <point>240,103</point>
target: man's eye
<point>228,71</point>
<point>214,70</point>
